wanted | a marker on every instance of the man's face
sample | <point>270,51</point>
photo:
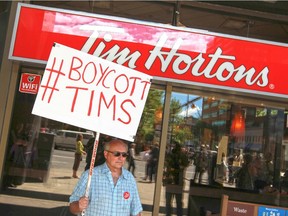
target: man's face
<point>115,162</point>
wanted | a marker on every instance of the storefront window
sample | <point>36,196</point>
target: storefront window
<point>211,142</point>
<point>40,151</point>
<point>227,143</point>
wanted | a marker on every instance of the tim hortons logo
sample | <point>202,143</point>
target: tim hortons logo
<point>212,66</point>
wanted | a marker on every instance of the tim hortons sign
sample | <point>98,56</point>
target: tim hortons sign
<point>165,52</point>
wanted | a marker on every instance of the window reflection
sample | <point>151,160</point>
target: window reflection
<point>228,143</point>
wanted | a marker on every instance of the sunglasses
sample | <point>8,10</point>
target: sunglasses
<point>117,154</point>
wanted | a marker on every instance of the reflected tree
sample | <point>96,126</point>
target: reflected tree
<point>151,116</point>
<point>180,132</point>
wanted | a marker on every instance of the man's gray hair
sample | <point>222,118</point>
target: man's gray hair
<point>113,142</point>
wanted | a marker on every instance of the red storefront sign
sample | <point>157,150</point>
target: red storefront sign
<point>29,83</point>
<point>165,52</point>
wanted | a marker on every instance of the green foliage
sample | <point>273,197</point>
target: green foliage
<point>180,133</point>
<point>153,104</point>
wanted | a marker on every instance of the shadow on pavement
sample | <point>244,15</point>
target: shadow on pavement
<point>62,177</point>
<point>39,207</point>
<point>36,195</point>
<point>15,210</point>
<point>35,206</point>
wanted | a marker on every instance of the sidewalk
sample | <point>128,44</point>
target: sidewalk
<point>51,197</point>
<point>43,199</point>
<point>38,198</point>
<point>16,202</point>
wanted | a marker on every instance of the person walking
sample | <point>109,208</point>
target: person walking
<point>16,157</point>
<point>201,164</point>
<point>246,174</point>
<point>153,162</point>
<point>113,189</point>
<point>131,161</point>
<point>79,152</point>
<point>147,157</point>
<point>176,163</point>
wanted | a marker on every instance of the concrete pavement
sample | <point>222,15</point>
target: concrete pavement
<point>51,197</point>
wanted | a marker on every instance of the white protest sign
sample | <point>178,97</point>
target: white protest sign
<point>92,93</point>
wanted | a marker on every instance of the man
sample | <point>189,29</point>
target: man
<point>176,163</point>
<point>201,164</point>
<point>131,161</point>
<point>113,189</point>
<point>154,161</point>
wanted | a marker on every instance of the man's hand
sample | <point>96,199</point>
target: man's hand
<point>83,203</point>
<point>78,206</point>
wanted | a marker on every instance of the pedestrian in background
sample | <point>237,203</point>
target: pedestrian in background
<point>154,161</point>
<point>230,170</point>
<point>131,160</point>
<point>146,156</point>
<point>79,152</point>
<point>245,176</point>
<point>201,164</point>
<point>16,157</point>
<point>176,163</point>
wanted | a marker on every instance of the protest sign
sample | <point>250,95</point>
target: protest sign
<point>92,93</point>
